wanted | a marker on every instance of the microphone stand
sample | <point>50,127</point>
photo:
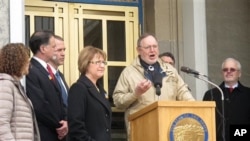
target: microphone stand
<point>222,102</point>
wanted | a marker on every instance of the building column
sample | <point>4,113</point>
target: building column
<point>4,24</point>
<point>17,28</point>
<point>16,24</point>
<point>195,44</point>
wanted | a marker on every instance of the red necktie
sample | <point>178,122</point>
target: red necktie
<point>51,74</point>
<point>231,89</point>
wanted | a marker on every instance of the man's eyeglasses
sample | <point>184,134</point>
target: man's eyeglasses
<point>229,70</point>
<point>149,47</point>
<point>98,62</point>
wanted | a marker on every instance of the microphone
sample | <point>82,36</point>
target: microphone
<point>157,79</point>
<point>191,71</point>
<point>188,70</point>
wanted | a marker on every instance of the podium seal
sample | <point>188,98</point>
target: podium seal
<point>188,127</point>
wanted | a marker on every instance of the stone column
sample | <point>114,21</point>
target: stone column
<point>4,24</point>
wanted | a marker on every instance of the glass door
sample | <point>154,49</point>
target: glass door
<point>114,29</point>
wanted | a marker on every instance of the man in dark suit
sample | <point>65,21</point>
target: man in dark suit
<point>55,62</point>
<point>58,60</point>
<point>43,90</point>
<point>236,100</point>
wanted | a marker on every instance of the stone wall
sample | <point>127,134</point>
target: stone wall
<point>4,24</point>
<point>228,35</point>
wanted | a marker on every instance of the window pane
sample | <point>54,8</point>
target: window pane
<point>27,29</point>
<point>113,73</point>
<point>44,23</point>
<point>93,33</point>
<point>116,41</point>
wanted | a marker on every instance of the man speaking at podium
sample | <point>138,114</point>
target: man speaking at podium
<point>147,80</point>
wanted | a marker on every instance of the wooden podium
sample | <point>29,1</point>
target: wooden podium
<point>174,121</point>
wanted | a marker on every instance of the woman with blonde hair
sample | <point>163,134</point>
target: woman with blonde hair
<point>89,111</point>
<point>17,118</point>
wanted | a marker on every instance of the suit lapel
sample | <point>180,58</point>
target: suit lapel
<point>94,92</point>
<point>99,96</point>
<point>35,63</point>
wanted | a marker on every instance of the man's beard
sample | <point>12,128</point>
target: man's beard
<point>54,57</point>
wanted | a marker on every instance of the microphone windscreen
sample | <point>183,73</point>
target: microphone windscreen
<point>157,79</point>
<point>185,69</point>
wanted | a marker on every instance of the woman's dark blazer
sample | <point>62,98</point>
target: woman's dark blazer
<point>46,99</point>
<point>89,112</point>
